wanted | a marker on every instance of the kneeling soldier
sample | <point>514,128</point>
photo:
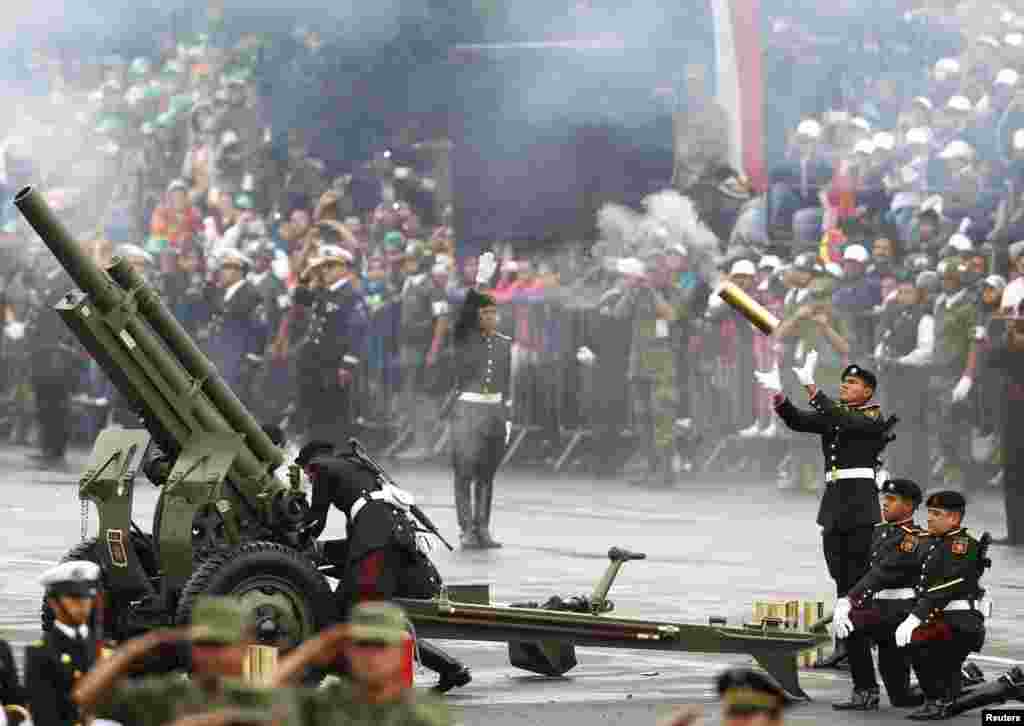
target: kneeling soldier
<point>54,664</point>
<point>947,621</point>
<point>879,602</point>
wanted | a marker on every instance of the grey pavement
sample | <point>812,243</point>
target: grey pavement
<point>713,547</point>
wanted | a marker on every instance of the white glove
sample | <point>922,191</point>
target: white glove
<point>769,380</point>
<point>485,268</point>
<point>842,626</point>
<point>906,630</point>
<point>15,330</point>
<point>806,374</point>
<point>508,432</point>
<point>962,388</point>
<point>585,356</point>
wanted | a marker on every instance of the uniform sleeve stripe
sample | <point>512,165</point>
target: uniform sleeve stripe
<point>957,581</point>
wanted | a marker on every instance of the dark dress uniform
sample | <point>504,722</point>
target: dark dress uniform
<point>907,393</point>
<point>1012,364</point>
<point>11,692</point>
<point>483,365</point>
<point>54,364</point>
<point>851,440</point>
<point>238,328</point>
<point>382,559</point>
<point>335,340</point>
<point>54,664</point>
<point>948,605</point>
<point>880,601</point>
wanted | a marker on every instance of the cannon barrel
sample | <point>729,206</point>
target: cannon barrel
<point>167,382</point>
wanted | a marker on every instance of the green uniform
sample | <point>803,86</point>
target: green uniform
<point>955,320</point>
<point>652,365</point>
<point>159,700</point>
<point>338,703</point>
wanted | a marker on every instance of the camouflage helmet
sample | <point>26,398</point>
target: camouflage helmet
<point>378,621</point>
<point>218,620</point>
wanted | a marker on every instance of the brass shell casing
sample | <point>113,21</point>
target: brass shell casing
<point>748,307</point>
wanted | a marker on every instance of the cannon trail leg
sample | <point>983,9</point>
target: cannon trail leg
<point>782,667</point>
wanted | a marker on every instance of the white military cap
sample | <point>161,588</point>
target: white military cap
<point>961,243</point>
<point>884,140</point>
<point>133,252</point>
<point>78,578</point>
<point>743,267</point>
<point>332,253</point>
<point>957,149</point>
<point>1016,249</point>
<point>1007,77</point>
<point>857,253</point>
<point>1018,140</point>
<point>632,267</point>
<point>960,103</point>
<point>864,147</point>
<point>1014,39</point>
<point>809,127</point>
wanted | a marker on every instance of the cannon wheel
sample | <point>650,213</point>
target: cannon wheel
<point>285,597</point>
<point>85,550</point>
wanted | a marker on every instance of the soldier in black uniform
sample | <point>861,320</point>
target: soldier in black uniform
<point>905,348</point>
<point>853,433</point>
<point>947,621</point>
<point>331,354</point>
<point>878,603</point>
<point>381,559</point>
<point>480,415</point>
<point>54,664</point>
<point>11,692</point>
<point>237,333</point>
<point>54,364</point>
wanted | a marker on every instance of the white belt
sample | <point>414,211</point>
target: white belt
<point>898,593</point>
<point>862,473</point>
<point>480,397</point>
<point>982,606</point>
<point>389,493</point>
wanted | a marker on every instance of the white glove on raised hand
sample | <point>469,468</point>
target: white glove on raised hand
<point>962,388</point>
<point>769,380</point>
<point>842,626</point>
<point>906,630</point>
<point>806,374</point>
<point>585,356</point>
<point>486,266</point>
<point>508,432</point>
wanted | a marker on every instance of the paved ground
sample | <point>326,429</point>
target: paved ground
<point>713,548</point>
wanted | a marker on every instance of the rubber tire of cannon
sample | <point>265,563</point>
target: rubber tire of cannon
<point>227,571</point>
<point>85,550</point>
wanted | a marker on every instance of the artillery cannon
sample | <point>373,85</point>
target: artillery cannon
<point>226,525</point>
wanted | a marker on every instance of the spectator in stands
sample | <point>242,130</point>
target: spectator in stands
<point>796,184</point>
<point>176,220</point>
<point>856,297</point>
<point>1013,295</point>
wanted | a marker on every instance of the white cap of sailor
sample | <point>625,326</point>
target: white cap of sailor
<point>78,578</point>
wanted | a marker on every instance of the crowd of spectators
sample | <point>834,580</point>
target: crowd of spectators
<point>904,198</point>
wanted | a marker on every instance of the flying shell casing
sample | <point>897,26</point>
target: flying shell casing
<point>748,307</point>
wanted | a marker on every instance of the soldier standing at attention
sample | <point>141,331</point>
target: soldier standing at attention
<point>220,641</point>
<point>480,417</point>
<point>853,433</point>
<point>880,600</point>
<point>652,305</point>
<point>332,353</point>
<point>370,645</point>
<point>54,664</point>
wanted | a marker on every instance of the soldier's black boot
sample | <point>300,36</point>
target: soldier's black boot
<point>485,498</point>
<point>865,699</point>
<point>837,659</point>
<point>927,712</point>
<point>464,512</point>
<point>452,672</point>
